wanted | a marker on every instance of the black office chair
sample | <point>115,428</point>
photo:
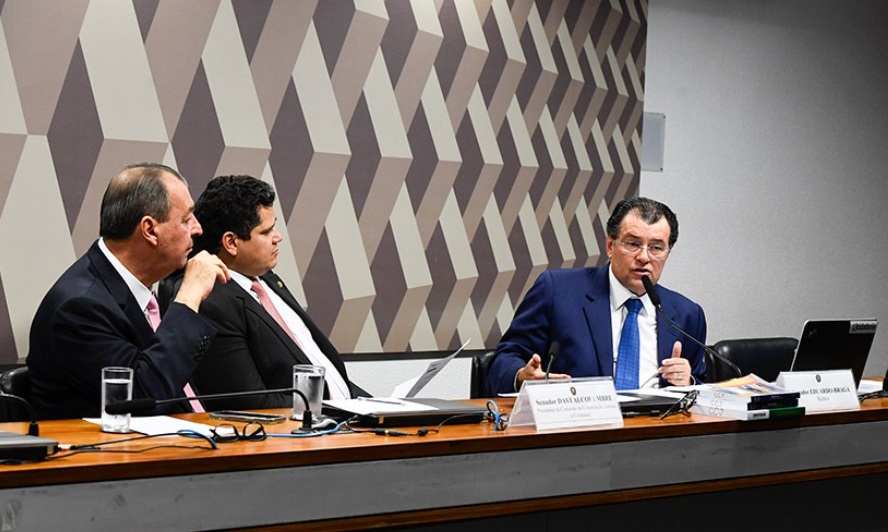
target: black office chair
<point>15,381</point>
<point>766,357</point>
<point>480,362</point>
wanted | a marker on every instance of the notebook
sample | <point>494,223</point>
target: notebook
<point>646,404</point>
<point>388,412</point>
<point>835,344</point>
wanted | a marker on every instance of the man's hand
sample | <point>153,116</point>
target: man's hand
<point>534,371</point>
<point>201,273</point>
<point>676,370</point>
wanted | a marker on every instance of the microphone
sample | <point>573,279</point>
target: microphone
<point>554,349</point>
<point>147,403</point>
<point>651,291</point>
<point>33,429</point>
<point>655,299</point>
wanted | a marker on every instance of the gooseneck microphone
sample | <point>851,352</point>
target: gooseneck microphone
<point>554,349</point>
<point>33,429</point>
<point>147,403</point>
<point>655,299</point>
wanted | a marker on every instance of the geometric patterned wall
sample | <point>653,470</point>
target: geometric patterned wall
<point>431,157</point>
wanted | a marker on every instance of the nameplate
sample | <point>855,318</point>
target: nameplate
<point>822,390</point>
<point>559,404</point>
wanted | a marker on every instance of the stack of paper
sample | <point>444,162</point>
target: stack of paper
<point>749,397</point>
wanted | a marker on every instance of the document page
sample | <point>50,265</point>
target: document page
<point>153,425</point>
<point>412,387</point>
<point>377,405</point>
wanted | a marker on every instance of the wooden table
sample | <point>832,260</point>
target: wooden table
<point>465,472</point>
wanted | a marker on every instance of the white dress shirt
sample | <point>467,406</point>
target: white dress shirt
<point>648,364</point>
<point>336,384</point>
<point>141,292</point>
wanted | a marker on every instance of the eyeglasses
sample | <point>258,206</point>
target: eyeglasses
<point>682,406</point>
<point>632,248</point>
<point>228,433</point>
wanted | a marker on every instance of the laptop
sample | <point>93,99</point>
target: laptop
<point>640,404</point>
<point>835,344</point>
<point>386,412</point>
<point>409,411</point>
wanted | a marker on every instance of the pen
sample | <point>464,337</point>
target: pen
<point>383,401</point>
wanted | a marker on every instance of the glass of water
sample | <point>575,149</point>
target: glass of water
<point>309,380</point>
<point>117,385</point>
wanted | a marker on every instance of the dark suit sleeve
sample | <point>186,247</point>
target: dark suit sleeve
<point>88,335</point>
<point>529,333</point>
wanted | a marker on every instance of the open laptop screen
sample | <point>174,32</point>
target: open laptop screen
<point>835,344</point>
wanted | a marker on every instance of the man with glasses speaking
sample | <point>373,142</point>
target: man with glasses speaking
<point>593,322</point>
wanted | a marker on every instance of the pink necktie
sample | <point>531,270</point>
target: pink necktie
<point>266,303</point>
<point>153,311</point>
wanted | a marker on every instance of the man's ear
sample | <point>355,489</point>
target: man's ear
<point>229,243</point>
<point>148,230</point>
<point>609,246</point>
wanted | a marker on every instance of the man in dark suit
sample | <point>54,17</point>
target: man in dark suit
<point>96,314</point>
<point>584,310</point>
<point>255,350</point>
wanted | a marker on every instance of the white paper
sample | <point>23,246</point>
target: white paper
<point>404,388</point>
<point>153,425</point>
<point>867,386</point>
<point>377,405</point>
<point>412,387</point>
<point>650,392</point>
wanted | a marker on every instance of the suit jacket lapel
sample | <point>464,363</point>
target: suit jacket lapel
<point>256,308</point>
<point>121,293</point>
<point>277,285</point>
<point>597,311</point>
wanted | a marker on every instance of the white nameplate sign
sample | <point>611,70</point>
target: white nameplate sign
<point>822,390</point>
<point>558,404</point>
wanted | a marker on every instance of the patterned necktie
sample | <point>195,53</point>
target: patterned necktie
<point>153,311</point>
<point>266,303</point>
<point>628,352</point>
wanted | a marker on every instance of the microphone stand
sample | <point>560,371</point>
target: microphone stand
<point>33,429</point>
<point>655,299</point>
<point>554,350</point>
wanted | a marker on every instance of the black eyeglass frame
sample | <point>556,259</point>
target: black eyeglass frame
<point>682,406</point>
<point>252,431</point>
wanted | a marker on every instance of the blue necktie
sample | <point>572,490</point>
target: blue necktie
<point>628,352</point>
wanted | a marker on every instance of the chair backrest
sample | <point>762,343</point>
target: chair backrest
<point>766,357</point>
<point>479,375</point>
<point>16,381</point>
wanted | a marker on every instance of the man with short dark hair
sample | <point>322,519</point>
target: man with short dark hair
<point>599,316</point>
<point>263,331</point>
<point>98,313</point>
